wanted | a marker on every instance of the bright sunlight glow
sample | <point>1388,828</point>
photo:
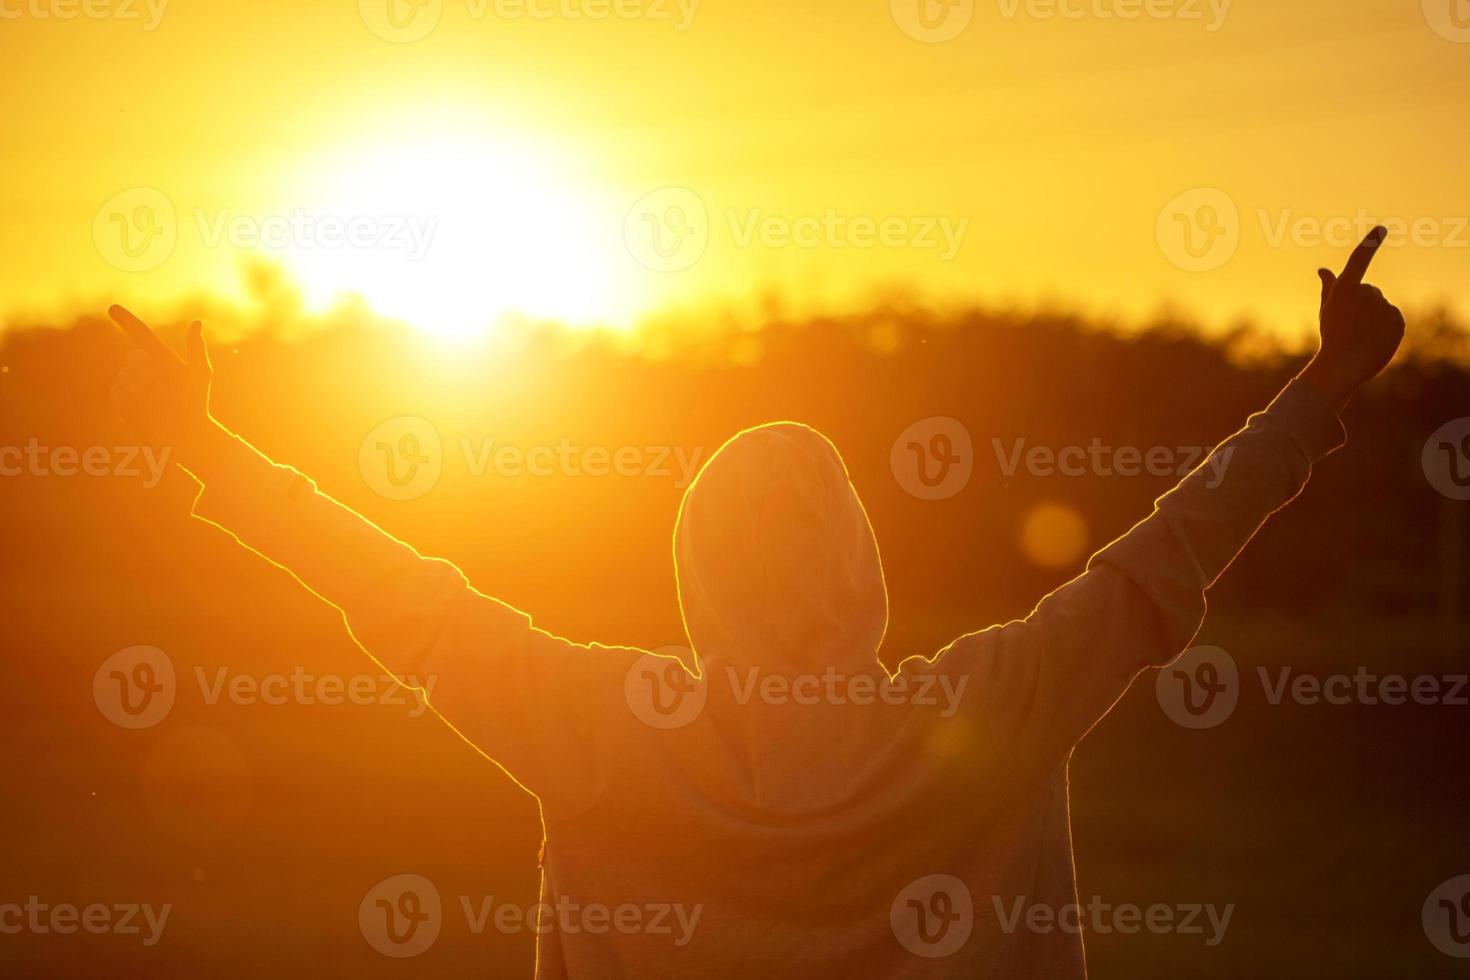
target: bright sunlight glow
<point>454,234</point>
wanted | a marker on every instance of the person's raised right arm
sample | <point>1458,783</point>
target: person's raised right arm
<point>514,691</point>
<point>396,602</point>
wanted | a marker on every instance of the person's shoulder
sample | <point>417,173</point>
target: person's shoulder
<point>959,655</point>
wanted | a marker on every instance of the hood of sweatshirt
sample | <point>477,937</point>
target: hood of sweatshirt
<point>780,583</point>
<point>776,562</point>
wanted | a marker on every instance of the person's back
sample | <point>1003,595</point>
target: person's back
<point>793,799</point>
<point>817,840</point>
<point>793,810</point>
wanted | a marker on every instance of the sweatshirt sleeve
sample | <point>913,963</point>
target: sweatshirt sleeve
<point>518,694</point>
<point>1046,680</point>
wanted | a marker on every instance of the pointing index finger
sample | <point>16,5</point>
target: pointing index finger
<point>1357,263</point>
<point>137,329</point>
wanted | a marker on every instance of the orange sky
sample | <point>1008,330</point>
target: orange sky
<point>599,159</point>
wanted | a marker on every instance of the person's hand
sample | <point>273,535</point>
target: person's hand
<point>165,397</point>
<point>1360,329</point>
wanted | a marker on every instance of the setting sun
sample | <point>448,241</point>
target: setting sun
<point>453,233</point>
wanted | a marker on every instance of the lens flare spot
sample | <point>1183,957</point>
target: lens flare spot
<point>1053,535</point>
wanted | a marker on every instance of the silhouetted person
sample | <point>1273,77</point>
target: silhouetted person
<point>889,829</point>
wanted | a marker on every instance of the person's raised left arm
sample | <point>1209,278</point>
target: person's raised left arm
<point>1047,679</point>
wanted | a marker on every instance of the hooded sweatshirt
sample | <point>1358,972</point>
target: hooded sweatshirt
<point>773,802</point>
